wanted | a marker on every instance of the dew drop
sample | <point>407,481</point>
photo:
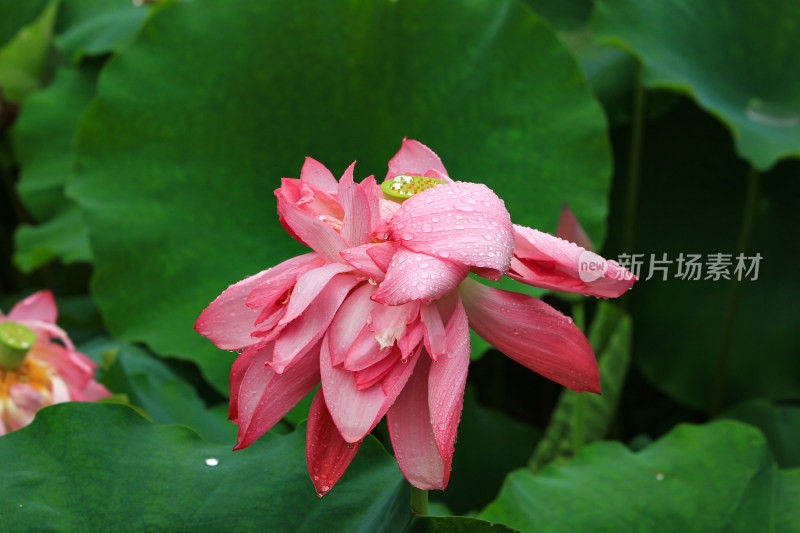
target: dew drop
<point>212,461</point>
<point>660,477</point>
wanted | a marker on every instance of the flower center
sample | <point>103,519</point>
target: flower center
<point>30,373</point>
<point>405,186</point>
<point>15,342</point>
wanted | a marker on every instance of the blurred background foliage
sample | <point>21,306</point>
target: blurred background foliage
<point>139,148</point>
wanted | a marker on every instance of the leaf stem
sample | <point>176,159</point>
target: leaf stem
<point>734,293</point>
<point>634,164</point>
<point>419,501</point>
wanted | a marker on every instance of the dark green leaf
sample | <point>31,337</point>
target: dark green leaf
<point>24,60</point>
<point>102,467</point>
<point>198,119</point>
<point>738,59</point>
<point>454,524</point>
<point>94,27</point>
<point>17,14</point>
<point>780,424</point>
<point>151,385</point>
<point>44,136</point>
<point>718,477</point>
<point>580,419</point>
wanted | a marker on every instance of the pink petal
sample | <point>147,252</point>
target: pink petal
<point>264,397</point>
<point>40,306</point>
<point>417,276</point>
<point>371,375</point>
<point>571,230</point>
<point>412,434</point>
<point>228,321</point>
<point>309,286</point>
<point>26,397</point>
<point>309,229</point>
<point>271,289</point>
<point>546,261</point>
<point>382,254</point>
<point>304,332</point>
<point>349,321</point>
<point>463,223</point>
<point>410,341</point>
<point>533,334</point>
<point>74,367</point>
<point>357,224</point>
<point>448,376</point>
<point>432,173</point>
<point>355,411</point>
<point>364,352</point>
<point>361,260</point>
<point>91,393</point>
<point>434,330</point>
<point>317,175</point>
<point>414,158</point>
<point>327,453</point>
<point>388,323</point>
<point>262,353</point>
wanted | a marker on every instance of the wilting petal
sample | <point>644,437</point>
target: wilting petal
<point>357,224</point>
<point>264,396</point>
<point>448,376</point>
<point>327,453</point>
<point>416,276</point>
<point>228,321</point>
<point>461,222</point>
<point>40,306</point>
<point>309,229</point>
<point>571,230</point>
<point>533,334</point>
<point>546,261</point>
<point>350,319</point>
<point>301,334</point>
<point>414,158</point>
<point>317,175</point>
<point>355,411</point>
<point>309,286</point>
<point>412,434</point>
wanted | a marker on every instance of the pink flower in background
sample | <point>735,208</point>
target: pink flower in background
<point>380,311</point>
<point>35,371</point>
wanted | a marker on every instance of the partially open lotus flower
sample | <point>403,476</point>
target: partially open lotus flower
<point>380,311</point>
<point>39,365</point>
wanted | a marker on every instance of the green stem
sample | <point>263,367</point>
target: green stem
<point>734,293</point>
<point>634,165</point>
<point>419,501</point>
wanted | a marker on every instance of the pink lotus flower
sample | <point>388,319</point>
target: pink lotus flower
<point>35,371</point>
<point>380,312</point>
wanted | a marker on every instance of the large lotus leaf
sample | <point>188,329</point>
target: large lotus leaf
<point>718,477</point>
<point>43,139</point>
<point>93,27</point>
<point>24,60</point>
<point>17,14</point>
<point>102,467</point>
<point>454,524</point>
<point>684,210</point>
<point>197,120</point>
<point>737,58</point>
